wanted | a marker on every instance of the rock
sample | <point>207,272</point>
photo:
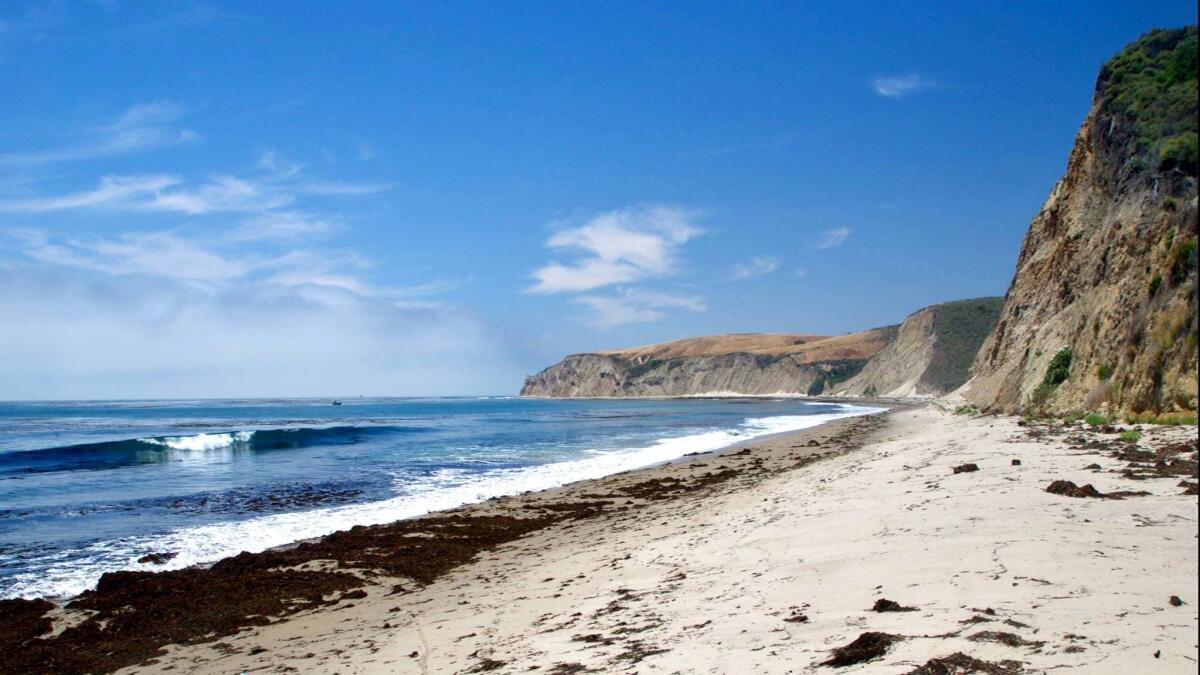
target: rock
<point>157,558</point>
<point>932,352</point>
<point>966,468</point>
<point>1107,266</point>
<point>1016,462</point>
<point>748,363</point>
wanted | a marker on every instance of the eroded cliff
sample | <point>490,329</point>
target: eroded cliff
<point>751,363</point>
<point>1102,308</point>
<point>932,352</point>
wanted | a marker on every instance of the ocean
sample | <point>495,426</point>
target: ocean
<point>91,487</point>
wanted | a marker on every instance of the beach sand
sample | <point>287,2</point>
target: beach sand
<point>772,568</point>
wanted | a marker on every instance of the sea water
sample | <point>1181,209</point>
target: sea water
<point>91,487</point>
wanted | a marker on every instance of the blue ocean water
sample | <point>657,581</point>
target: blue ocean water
<point>89,487</point>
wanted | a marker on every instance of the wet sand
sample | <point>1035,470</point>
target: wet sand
<point>765,558</point>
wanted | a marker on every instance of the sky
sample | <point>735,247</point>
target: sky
<point>214,199</point>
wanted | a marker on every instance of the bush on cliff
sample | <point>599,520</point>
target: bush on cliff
<point>1152,83</point>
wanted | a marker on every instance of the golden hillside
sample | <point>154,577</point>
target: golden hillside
<point>809,348</point>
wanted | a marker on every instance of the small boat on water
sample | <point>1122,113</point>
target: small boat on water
<point>336,402</point>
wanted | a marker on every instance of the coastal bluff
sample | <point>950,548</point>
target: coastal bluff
<point>931,354</point>
<point>1101,312</point>
<point>742,363</point>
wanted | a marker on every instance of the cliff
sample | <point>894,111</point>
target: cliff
<point>932,352</point>
<point>748,363</point>
<point>1101,311</point>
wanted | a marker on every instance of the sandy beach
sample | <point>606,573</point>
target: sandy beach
<point>768,558</point>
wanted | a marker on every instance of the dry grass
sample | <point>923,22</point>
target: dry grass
<point>810,348</point>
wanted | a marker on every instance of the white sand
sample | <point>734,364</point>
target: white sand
<point>709,578</point>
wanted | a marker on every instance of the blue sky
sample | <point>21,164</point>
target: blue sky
<point>223,199</point>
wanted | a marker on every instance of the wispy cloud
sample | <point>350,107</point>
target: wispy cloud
<point>755,267</point>
<point>615,248</point>
<point>619,248</point>
<point>142,127</point>
<point>280,188</point>
<point>833,238</point>
<point>164,193</point>
<point>631,305</point>
<point>227,284</point>
<point>897,86</point>
<point>335,188</point>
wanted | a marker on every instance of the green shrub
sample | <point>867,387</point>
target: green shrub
<point>870,391</point>
<point>1131,435</point>
<point>817,386</point>
<point>1072,417</point>
<point>966,410</point>
<point>1184,262</point>
<point>960,328</point>
<point>1104,371</point>
<point>639,369</point>
<point>1155,282</point>
<point>1178,152</point>
<point>1151,83</point>
<point>1060,367</point>
<point>1096,419</point>
<point>1040,395</point>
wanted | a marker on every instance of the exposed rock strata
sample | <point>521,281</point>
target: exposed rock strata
<point>931,354</point>
<point>1108,266</point>
<point>779,363</point>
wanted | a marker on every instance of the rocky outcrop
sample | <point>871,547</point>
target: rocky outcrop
<point>1102,308</point>
<point>723,364</point>
<point>932,352</point>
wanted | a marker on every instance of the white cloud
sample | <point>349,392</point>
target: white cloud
<point>342,188</point>
<point>239,304</point>
<point>111,190</point>
<point>617,247</point>
<point>756,266</point>
<point>833,238</point>
<point>165,193</point>
<point>631,305</point>
<point>281,225</point>
<point>142,127</point>
<point>161,254</point>
<point>897,86</point>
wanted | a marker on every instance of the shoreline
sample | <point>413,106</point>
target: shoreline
<point>764,555</point>
<point>265,532</point>
<point>71,611</point>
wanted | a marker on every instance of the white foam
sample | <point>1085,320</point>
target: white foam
<point>201,442</point>
<point>445,489</point>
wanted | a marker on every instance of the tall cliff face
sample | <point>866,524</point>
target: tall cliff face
<point>1102,309</point>
<point>743,364</point>
<point>932,352</point>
